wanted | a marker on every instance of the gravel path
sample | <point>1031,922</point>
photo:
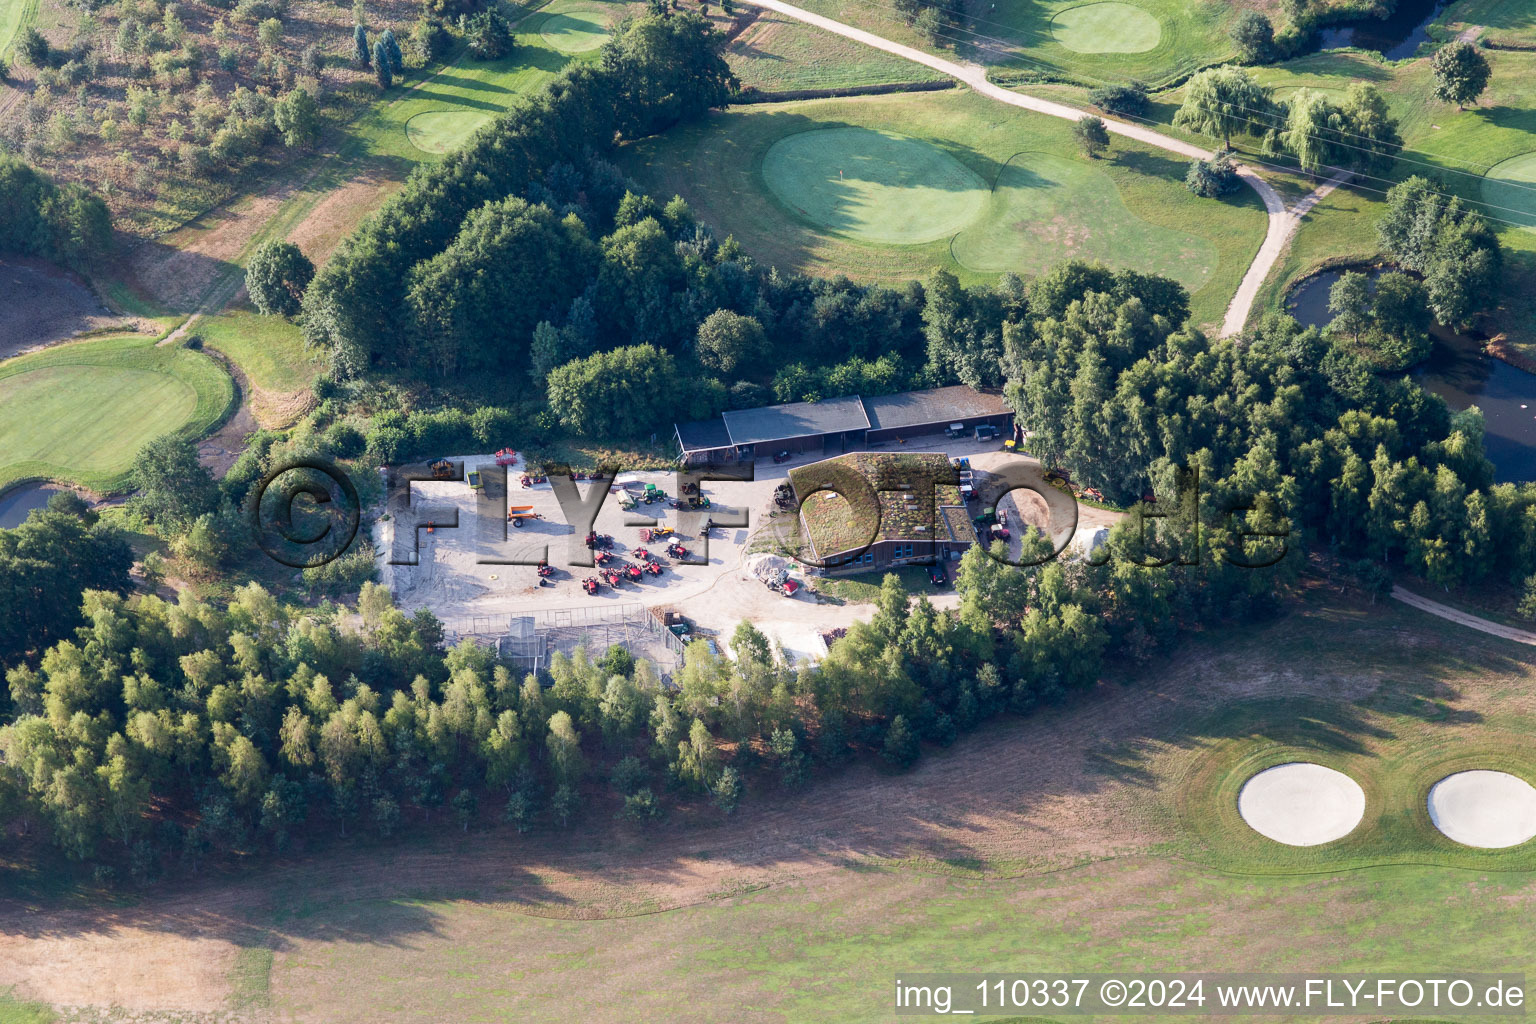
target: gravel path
<point>1456,615</point>
<point>1282,221</point>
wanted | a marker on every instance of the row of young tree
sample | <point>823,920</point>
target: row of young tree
<point>157,733</point>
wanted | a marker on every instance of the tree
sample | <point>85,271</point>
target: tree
<point>270,34</point>
<point>1222,101</point>
<point>727,789</point>
<point>624,392</point>
<point>277,275</point>
<point>381,71</point>
<point>1349,301</point>
<point>728,341</point>
<point>1461,73</point>
<point>1254,37</point>
<point>1313,131</point>
<point>34,49</point>
<point>929,23</point>
<point>1372,137</point>
<point>360,49</point>
<point>1400,322</point>
<point>392,49</point>
<point>1091,135</point>
<point>297,116</point>
<point>174,487</point>
<point>488,35</point>
<point>901,745</point>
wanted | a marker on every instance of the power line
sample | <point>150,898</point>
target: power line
<point>1270,124</point>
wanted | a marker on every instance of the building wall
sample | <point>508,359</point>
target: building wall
<point>1002,421</point>
<point>891,554</point>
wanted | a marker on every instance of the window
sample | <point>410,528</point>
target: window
<point>867,558</point>
<point>902,551</point>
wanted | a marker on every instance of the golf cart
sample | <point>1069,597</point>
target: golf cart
<point>956,430</point>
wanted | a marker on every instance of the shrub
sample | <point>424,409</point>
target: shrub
<point>488,35</point>
<point>277,276</point>
<point>345,441</point>
<point>1254,37</point>
<point>1212,178</point>
<point>1130,100</point>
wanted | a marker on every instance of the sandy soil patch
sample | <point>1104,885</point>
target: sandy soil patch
<point>1486,809</point>
<point>1301,804</point>
<point>150,968</point>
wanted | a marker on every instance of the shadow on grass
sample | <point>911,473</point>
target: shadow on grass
<point>1337,678</point>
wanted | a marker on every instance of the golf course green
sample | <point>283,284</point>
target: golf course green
<point>80,412</point>
<point>1106,28</point>
<point>441,131</point>
<point>575,26</point>
<point>872,185</point>
<point>1509,188</point>
<point>1045,207</point>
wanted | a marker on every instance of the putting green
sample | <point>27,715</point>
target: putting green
<point>1510,188</point>
<point>90,418</point>
<point>1106,28</point>
<point>575,27</point>
<point>1048,208</point>
<point>442,131</point>
<point>872,185</point>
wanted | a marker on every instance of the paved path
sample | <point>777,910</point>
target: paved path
<point>1456,615</point>
<point>1282,222</point>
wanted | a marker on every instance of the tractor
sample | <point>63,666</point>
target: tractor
<point>599,540</point>
<point>676,550</point>
<point>653,568</point>
<point>641,555</point>
<point>633,572</point>
<point>590,585</point>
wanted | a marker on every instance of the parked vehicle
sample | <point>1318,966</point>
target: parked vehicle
<point>654,568</point>
<point>590,584</point>
<point>986,432</point>
<point>936,574</point>
<point>599,540</point>
<point>650,533</point>
<point>641,555</point>
<point>517,515</point>
<point>781,456</point>
<point>506,457</point>
<point>676,550</point>
<point>956,430</point>
<point>545,570</point>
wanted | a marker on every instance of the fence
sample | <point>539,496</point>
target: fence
<point>528,640</point>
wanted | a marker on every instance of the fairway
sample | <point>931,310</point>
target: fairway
<point>1106,28</point>
<point>945,179</point>
<point>80,412</point>
<point>1047,208</point>
<point>572,26</point>
<point>1510,188</point>
<point>875,186</point>
<point>440,131</point>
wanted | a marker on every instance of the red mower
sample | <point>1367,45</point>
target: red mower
<point>545,570</point>
<point>613,576</point>
<point>676,550</point>
<point>653,568</point>
<point>599,540</point>
<point>641,555</point>
<point>590,585</point>
<point>632,571</point>
<point>600,557</point>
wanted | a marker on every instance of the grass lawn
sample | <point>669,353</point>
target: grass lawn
<point>778,54</point>
<point>824,210</point>
<point>1154,41</point>
<point>14,1011</point>
<point>268,348</point>
<point>864,587</point>
<point>1486,154</point>
<point>78,413</point>
<point>1394,698</point>
<point>15,15</point>
<point>1503,21</point>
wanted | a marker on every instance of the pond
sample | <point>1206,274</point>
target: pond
<point>1394,38</point>
<point>18,502</point>
<point>1458,371</point>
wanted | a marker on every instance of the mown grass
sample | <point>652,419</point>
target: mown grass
<point>15,1011</point>
<point>779,54</point>
<point>269,349</point>
<point>1458,147</point>
<point>717,167</point>
<point>15,15</point>
<point>78,413</point>
<point>1398,699</point>
<point>1023,34</point>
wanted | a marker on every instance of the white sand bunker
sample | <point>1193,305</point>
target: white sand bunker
<point>1301,804</point>
<point>1483,808</point>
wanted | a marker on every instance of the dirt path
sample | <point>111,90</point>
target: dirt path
<point>1282,222</point>
<point>1456,615</point>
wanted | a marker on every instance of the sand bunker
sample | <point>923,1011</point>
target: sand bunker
<point>1301,804</point>
<point>1485,809</point>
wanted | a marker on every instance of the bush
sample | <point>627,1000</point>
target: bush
<point>430,39</point>
<point>630,775</point>
<point>1129,100</point>
<point>641,806</point>
<point>1212,178</point>
<point>345,441</point>
<point>1254,37</point>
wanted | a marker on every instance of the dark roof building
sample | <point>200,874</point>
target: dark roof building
<point>839,424</point>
